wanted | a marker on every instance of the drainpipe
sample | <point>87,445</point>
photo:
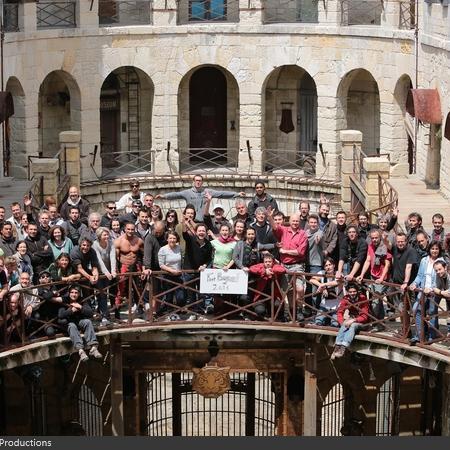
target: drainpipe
<point>416,81</point>
<point>2,38</point>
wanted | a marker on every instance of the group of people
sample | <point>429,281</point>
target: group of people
<point>88,254</point>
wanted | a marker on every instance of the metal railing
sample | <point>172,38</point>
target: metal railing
<point>159,299</point>
<point>126,163</point>
<point>207,160</point>
<point>291,11</point>
<point>60,14</point>
<point>125,12</point>
<point>407,17</point>
<point>11,17</point>
<point>358,165</point>
<point>361,12</point>
<point>289,162</point>
<point>201,11</point>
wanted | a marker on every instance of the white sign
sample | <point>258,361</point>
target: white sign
<point>218,281</point>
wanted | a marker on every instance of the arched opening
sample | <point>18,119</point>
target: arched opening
<point>333,412</point>
<point>290,121</point>
<point>126,103</point>
<point>15,132</point>
<point>208,102</point>
<point>359,108</point>
<point>59,110</point>
<point>404,155</point>
<point>387,408</point>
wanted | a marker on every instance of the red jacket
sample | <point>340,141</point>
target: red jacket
<point>263,279</point>
<point>358,310</point>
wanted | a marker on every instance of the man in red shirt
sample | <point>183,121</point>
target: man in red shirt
<point>293,252</point>
<point>379,260</point>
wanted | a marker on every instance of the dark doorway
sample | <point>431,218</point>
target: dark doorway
<point>208,113</point>
<point>410,155</point>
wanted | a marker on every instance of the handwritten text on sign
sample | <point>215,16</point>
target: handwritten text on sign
<point>217,281</point>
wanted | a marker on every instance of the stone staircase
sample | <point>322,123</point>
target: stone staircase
<point>13,190</point>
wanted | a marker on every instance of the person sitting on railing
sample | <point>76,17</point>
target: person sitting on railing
<point>58,242</point>
<point>74,199</point>
<point>442,289</point>
<point>328,294</point>
<point>426,281</point>
<point>352,254</point>
<point>357,306</point>
<point>261,199</point>
<point>196,196</point>
<point>40,253</point>
<point>293,254</point>
<point>74,227</point>
<point>170,258</point>
<point>197,256</point>
<point>267,272</point>
<point>77,315</point>
<point>242,212</point>
<point>126,201</point>
<point>379,260</point>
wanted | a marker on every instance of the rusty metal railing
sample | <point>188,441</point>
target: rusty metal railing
<point>125,12</point>
<point>11,17</point>
<point>56,14</point>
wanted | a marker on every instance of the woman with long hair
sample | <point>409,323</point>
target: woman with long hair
<point>22,258</point>
<point>156,215</point>
<point>62,269</point>
<point>239,229</point>
<point>58,242</point>
<point>171,220</point>
<point>115,229</point>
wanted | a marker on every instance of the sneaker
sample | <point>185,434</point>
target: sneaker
<point>209,309</point>
<point>105,322</point>
<point>146,306</point>
<point>192,317</point>
<point>83,356</point>
<point>340,351</point>
<point>133,309</point>
<point>173,318</point>
<point>95,353</point>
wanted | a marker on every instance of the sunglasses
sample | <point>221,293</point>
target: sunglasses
<point>112,207</point>
<point>171,215</point>
<point>134,185</point>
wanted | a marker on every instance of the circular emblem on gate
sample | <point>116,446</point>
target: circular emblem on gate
<point>211,381</point>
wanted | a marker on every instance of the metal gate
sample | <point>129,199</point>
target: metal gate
<point>333,411</point>
<point>387,407</point>
<point>173,408</point>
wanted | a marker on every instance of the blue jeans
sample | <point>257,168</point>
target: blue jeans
<point>377,303</point>
<point>431,309</point>
<point>346,335</point>
<point>329,318</point>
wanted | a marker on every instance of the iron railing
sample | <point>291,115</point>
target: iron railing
<point>125,12</point>
<point>291,11</point>
<point>201,11</point>
<point>407,17</point>
<point>11,17</point>
<point>126,163</point>
<point>59,14</point>
<point>206,160</point>
<point>289,162</point>
<point>361,12</point>
<point>358,165</point>
<point>151,300</point>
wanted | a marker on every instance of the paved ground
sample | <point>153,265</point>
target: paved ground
<point>12,191</point>
<point>415,196</point>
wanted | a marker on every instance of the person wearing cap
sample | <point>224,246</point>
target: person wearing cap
<point>261,198</point>
<point>126,201</point>
<point>214,222</point>
<point>133,215</point>
<point>196,196</point>
<point>77,315</point>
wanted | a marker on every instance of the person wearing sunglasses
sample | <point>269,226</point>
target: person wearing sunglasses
<point>110,214</point>
<point>125,202</point>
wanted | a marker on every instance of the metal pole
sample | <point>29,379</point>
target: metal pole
<point>2,38</point>
<point>416,81</point>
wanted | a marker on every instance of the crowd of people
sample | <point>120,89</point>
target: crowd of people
<point>87,253</point>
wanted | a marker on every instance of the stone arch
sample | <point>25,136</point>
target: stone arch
<point>208,121</point>
<point>289,118</point>
<point>403,129</point>
<point>15,136</point>
<point>59,110</point>
<point>359,108</point>
<point>126,105</point>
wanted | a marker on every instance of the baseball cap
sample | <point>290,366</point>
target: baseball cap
<point>218,206</point>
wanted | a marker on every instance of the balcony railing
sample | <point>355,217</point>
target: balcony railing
<point>52,14</point>
<point>407,18</point>
<point>198,11</point>
<point>289,162</point>
<point>361,12</point>
<point>201,160</point>
<point>11,17</point>
<point>124,12</point>
<point>286,11</point>
<point>126,163</point>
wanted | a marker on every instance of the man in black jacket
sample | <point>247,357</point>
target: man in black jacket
<point>7,240</point>
<point>74,199</point>
<point>39,251</point>
<point>77,316</point>
<point>261,199</point>
<point>352,254</point>
<point>73,227</point>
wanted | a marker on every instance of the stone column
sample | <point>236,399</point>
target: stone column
<point>47,169</point>
<point>390,17</point>
<point>27,17</point>
<point>251,13</point>
<point>310,401</point>
<point>117,418</point>
<point>87,16</point>
<point>375,167</point>
<point>331,13</point>
<point>349,139</point>
<point>70,140</point>
<point>164,12</point>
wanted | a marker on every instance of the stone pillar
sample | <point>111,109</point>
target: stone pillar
<point>47,169</point>
<point>70,140</point>
<point>349,139</point>
<point>164,12</point>
<point>375,167</point>
<point>250,13</point>
<point>330,13</point>
<point>117,418</point>
<point>27,17</point>
<point>310,401</point>
<point>390,17</point>
<point>87,16</point>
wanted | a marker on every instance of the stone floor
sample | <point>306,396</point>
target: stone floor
<point>415,196</point>
<point>12,190</point>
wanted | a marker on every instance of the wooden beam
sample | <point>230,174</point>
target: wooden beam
<point>310,401</point>
<point>116,387</point>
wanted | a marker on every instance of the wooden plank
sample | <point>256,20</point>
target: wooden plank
<point>116,387</point>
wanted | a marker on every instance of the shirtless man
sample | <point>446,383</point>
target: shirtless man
<point>129,251</point>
